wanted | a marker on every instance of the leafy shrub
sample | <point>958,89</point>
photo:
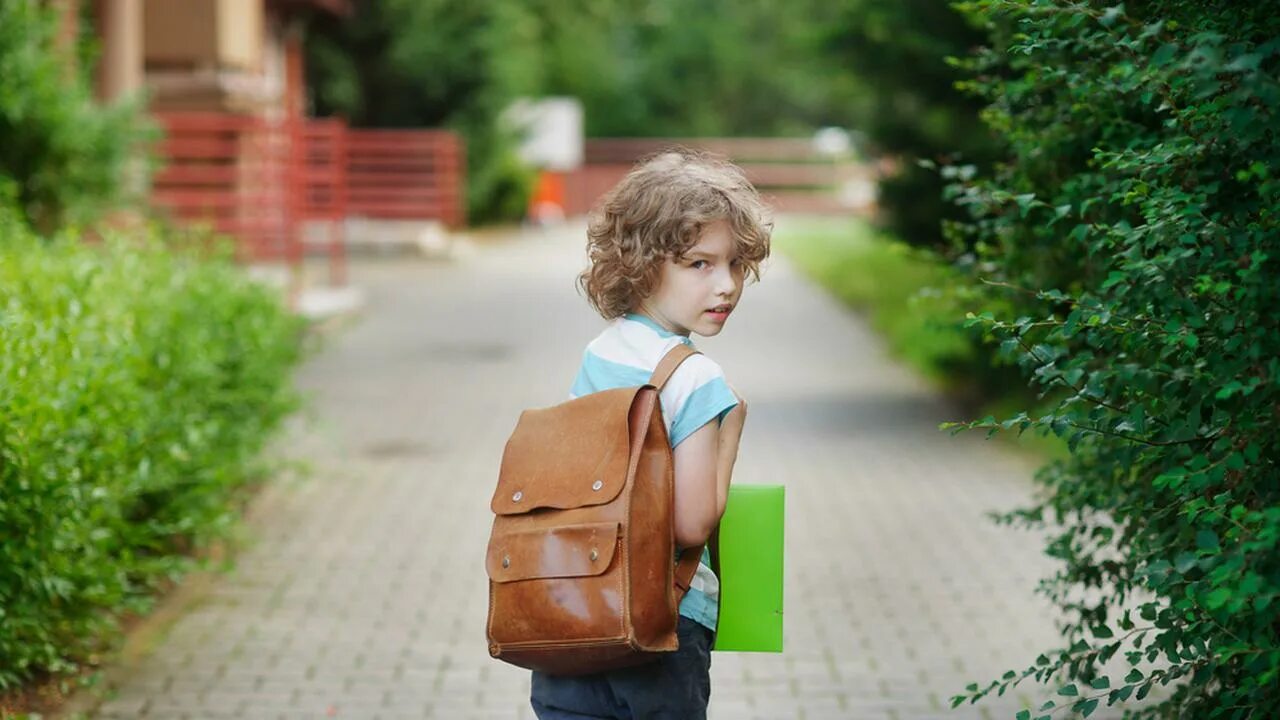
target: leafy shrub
<point>1134,228</point>
<point>66,154</point>
<point>136,387</point>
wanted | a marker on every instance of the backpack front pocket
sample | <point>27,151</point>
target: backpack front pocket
<point>556,552</point>
<point>561,584</point>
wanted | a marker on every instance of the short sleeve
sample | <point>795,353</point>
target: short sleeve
<point>696,394</point>
<point>581,383</point>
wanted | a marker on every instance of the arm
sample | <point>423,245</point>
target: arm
<point>703,469</point>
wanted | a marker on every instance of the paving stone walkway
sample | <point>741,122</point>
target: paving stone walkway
<point>363,595</point>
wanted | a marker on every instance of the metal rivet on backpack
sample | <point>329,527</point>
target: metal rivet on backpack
<point>597,485</point>
<point>517,496</point>
<point>506,561</point>
<point>594,555</point>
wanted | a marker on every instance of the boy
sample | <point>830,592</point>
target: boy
<point>670,248</point>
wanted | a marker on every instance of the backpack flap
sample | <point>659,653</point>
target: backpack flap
<point>570,455</point>
<point>556,552</point>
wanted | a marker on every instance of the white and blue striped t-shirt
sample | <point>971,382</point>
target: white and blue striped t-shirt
<point>624,355</point>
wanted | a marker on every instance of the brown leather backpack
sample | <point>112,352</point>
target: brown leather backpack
<point>580,561</point>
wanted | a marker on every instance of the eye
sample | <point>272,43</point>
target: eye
<point>697,264</point>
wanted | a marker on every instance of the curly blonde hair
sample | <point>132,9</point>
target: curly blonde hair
<point>657,212</point>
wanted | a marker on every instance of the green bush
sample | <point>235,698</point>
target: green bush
<point>1133,226</point>
<point>136,386</point>
<point>67,155</point>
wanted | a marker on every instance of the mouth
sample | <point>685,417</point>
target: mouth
<point>720,312</point>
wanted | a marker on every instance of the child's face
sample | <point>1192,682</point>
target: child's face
<point>697,292</point>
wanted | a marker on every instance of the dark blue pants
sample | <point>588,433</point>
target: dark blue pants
<point>677,686</point>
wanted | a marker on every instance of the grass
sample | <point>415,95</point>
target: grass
<point>906,295</point>
<point>898,288</point>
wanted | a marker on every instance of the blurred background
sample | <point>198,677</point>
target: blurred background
<point>217,213</point>
<point>286,143</point>
<point>312,129</point>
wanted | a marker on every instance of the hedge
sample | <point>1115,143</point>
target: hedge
<point>72,159</point>
<point>1134,225</point>
<point>137,387</point>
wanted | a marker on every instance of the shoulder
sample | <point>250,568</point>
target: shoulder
<point>696,394</point>
<point>695,372</point>
<point>620,342</point>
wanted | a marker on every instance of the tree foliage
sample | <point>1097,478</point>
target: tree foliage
<point>892,60</point>
<point>434,63</point>
<point>65,154</point>
<point>660,68</point>
<point>664,68</point>
<point>1133,225</point>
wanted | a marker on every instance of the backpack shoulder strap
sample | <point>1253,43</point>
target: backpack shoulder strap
<point>687,565</point>
<point>686,568</point>
<point>690,558</point>
<point>667,366</point>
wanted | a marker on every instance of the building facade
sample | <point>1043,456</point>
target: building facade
<point>238,56</point>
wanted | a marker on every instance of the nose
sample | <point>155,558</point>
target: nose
<point>726,282</point>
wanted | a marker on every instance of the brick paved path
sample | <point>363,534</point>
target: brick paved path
<point>364,594</point>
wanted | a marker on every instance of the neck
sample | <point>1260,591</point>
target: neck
<point>659,321</point>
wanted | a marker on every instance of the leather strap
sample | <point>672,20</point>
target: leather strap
<point>685,570</point>
<point>714,544</point>
<point>667,366</point>
<point>687,565</point>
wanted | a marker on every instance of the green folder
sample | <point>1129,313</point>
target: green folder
<point>751,541</point>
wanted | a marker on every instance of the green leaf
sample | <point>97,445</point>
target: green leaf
<point>1163,55</point>
<point>1069,690</point>
<point>1228,390</point>
<point>1217,598</point>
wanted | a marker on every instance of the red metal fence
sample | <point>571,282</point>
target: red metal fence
<point>234,174</point>
<point>267,182</point>
<point>264,181</point>
<point>406,174</point>
<point>324,189</point>
<point>790,173</point>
